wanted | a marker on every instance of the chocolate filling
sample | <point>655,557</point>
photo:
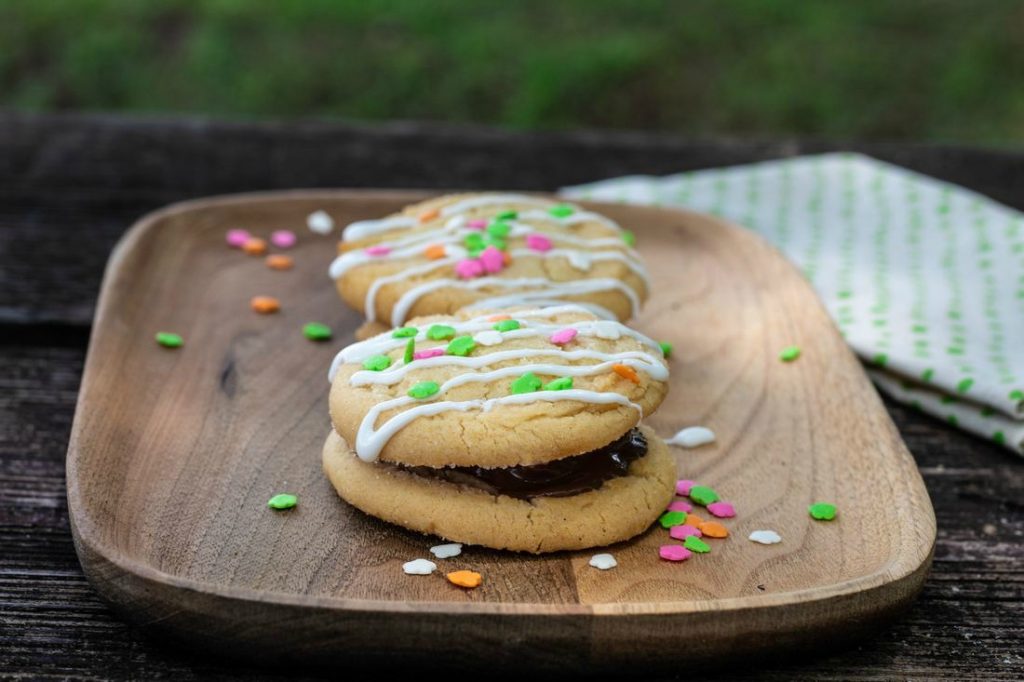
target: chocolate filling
<point>561,478</point>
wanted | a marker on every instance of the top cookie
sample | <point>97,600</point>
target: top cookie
<point>522,387</point>
<point>491,250</point>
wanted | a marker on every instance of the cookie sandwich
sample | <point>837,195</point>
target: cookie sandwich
<point>516,430</point>
<point>490,251</point>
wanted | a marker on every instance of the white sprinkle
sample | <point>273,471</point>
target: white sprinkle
<point>603,561</point>
<point>765,537</point>
<point>419,567</point>
<point>692,437</point>
<point>446,551</point>
<point>579,260</point>
<point>488,338</point>
<point>320,222</point>
<point>606,329</point>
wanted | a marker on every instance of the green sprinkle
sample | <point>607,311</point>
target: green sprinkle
<point>499,229</point>
<point>507,215</point>
<point>561,211</point>
<point>462,346</point>
<point>947,399</point>
<point>629,238</point>
<point>410,350</point>
<point>440,332</point>
<point>672,518</point>
<point>559,384</point>
<point>169,340</point>
<point>316,331</point>
<point>880,359</point>
<point>507,325</point>
<point>789,353</point>
<point>927,375</point>
<point>695,544</point>
<point>474,241</point>
<point>988,411</point>
<point>964,385</point>
<point>528,383</point>
<point>424,389</point>
<point>953,421</point>
<point>377,363</point>
<point>404,332</point>
<point>919,329</point>
<point>497,242</point>
<point>999,437</point>
<point>282,501</point>
<point>1016,394</point>
<point>822,511</point>
<point>666,348</point>
<point>845,294</point>
<point>703,495</point>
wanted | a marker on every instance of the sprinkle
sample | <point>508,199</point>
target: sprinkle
<point>606,329</point>
<point>419,567</point>
<point>626,372</point>
<point>254,246</point>
<point>377,251</point>
<point>692,437</point>
<point>410,351</point>
<point>283,239</point>
<point>499,229</point>
<point>528,383</point>
<point>235,238</point>
<point>666,348</point>
<point>674,553</point>
<point>498,318</point>
<point>277,261</point>
<point>377,363</point>
<point>468,268</point>
<point>603,562</point>
<point>561,211</point>
<point>789,353</point>
<point>498,243</point>
<point>722,510</point>
<point>424,389</point>
<point>629,238</point>
<point>765,537</point>
<point>822,511</point>
<point>680,505</point>
<point>488,338</point>
<point>713,529</point>
<point>492,260</point>
<point>506,258</point>
<point>468,579</point>
<point>684,531</point>
<point>282,501</point>
<point>559,384</point>
<point>319,222</point>
<point>477,224</point>
<point>446,551</point>
<point>563,336</point>
<point>265,304</point>
<point>428,353</point>
<point>703,495</point>
<point>507,215</point>
<point>316,331</point>
<point>429,215</point>
<point>672,518</point>
<point>695,544</point>
<point>683,486</point>
<point>461,346</point>
<point>474,242</point>
<point>169,339</point>
<point>507,325</point>
<point>440,332</point>
<point>435,251</point>
<point>404,332</point>
<point>694,520</point>
<point>538,242</point>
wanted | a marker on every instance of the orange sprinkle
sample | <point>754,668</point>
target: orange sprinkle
<point>279,261</point>
<point>626,372</point>
<point>695,521</point>
<point>712,529</point>
<point>498,318</point>
<point>465,578</point>
<point>506,258</point>
<point>265,304</point>
<point>429,215</point>
<point>254,246</point>
<point>435,251</point>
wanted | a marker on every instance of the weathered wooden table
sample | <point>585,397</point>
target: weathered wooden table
<point>71,185</point>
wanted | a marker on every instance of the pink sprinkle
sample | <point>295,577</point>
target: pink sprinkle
<point>284,239</point>
<point>680,505</point>
<point>722,510</point>
<point>476,224</point>
<point>493,260</point>
<point>236,238</point>
<point>563,336</point>
<point>684,531</point>
<point>538,242</point>
<point>427,353</point>
<point>674,553</point>
<point>468,268</point>
<point>683,486</point>
<point>379,250</point>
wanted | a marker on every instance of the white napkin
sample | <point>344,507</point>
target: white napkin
<point>924,279</point>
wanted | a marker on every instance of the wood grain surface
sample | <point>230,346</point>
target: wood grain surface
<point>174,453</point>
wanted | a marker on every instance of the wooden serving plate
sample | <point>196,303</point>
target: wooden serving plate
<point>174,454</point>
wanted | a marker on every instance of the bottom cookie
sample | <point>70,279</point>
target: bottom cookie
<point>621,508</point>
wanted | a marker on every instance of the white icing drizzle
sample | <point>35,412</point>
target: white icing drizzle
<point>366,228</point>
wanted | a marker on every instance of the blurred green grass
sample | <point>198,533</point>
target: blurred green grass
<point>922,70</point>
